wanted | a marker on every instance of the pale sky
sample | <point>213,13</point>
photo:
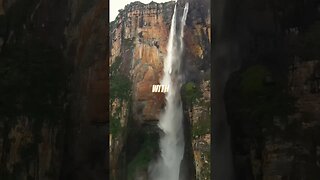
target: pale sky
<point>116,5</point>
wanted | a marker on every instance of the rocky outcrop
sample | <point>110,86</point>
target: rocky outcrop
<point>292,155</point>
<point>139,36</point>
<point>138,46</point>
<point>53,118</point>
<point>27,156</point>
<point>200,119</point>
<point>117,138</point>
<point>138,40</point>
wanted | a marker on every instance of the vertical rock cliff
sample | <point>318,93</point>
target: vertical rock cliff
<point>54,106</point>
<point>272,100</point>
<point>138,40</point>
<point>86,140</point>
<point>34,72</point>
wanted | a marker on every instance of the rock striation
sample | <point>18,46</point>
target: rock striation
<point>138,40</point>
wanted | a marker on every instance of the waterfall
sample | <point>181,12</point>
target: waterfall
<point>167,167</point>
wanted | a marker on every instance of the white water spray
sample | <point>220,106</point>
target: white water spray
<point>172,141</point>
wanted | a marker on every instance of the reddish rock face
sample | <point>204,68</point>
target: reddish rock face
<point>138,39</point>
<point>139,36</point>
<point>145,27</point>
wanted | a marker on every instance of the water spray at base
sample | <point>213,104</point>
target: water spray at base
<point>167,166</point>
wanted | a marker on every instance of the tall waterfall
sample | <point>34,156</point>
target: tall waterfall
<point>172,143</point>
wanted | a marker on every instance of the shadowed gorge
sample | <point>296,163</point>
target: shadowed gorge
<point>54,89</point>
<point>267,57</point>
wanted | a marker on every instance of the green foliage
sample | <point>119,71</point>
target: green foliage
<point>115,65</point>
<point>115,125</point>
<point>120,85</point>
<point>201,128</point>
<point>259,100</point>
<point>190,92</point>
<point>253,79</point>
<point>143,157</point>
<point>128,43</point>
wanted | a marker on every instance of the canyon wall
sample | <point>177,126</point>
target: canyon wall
<point>272,99</point>
<point>138,40</point>
<point>33,106</point>
<point>53,117</point>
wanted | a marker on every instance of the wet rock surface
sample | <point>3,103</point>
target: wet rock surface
<point>139,36</point>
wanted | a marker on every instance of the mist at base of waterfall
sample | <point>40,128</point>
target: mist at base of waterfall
<point>167,165</point>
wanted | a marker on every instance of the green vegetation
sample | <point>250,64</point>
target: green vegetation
<point>255,98</point>
<point>115,66</point>
<point>253,79</point>
<point>206,169</point>
<point>191,95</point>
<point>120,85</point>
<point>267,99</point>
<point>128,43</point>
<point>115,124</point>
<point>120,88</point>
<point>143,157</point>
<point>190,92</point>
<point>202,127</point>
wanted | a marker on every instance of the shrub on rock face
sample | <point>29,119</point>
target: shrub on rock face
<point>261,95</point>
<point>115,126</point>
<point>120,85</point>
<point>190,92</point>
<point>253,79</point>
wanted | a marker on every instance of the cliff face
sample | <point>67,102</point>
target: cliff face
<point>138,40</point>
<point>85,155</point>
<point>272,100</point>
<point>34,72</point>
<point>53,64</point>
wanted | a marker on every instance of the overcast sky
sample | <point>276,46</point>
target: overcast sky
<point>115,5</point>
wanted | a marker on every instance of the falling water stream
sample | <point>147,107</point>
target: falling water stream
<point>167,167</point>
